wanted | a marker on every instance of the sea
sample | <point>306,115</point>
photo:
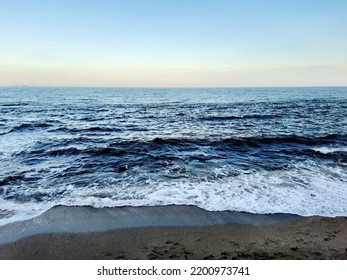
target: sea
<point>258,150</point>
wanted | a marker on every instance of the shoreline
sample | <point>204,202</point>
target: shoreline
<point>172,232</point>
<point>81,219</point>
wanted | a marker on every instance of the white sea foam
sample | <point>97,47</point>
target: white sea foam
<point>305,189</point>
<point>14,211</point>
<point>16,142</point>
<point>328,150</point>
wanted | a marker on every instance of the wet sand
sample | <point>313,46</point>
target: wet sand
<point>284,238</point>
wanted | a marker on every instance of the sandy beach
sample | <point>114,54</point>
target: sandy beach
<point>210,237</point>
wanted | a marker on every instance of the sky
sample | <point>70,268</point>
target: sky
<point>173,43</point>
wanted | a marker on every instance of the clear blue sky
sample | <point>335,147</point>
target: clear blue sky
<point>173,42</point>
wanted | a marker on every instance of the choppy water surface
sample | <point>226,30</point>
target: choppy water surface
<point>261,150</point>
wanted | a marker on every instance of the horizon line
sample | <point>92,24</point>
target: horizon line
<point>99,86</point>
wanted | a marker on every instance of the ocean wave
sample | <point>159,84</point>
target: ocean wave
<point>305,189</point>
<point>27,126</point>
<point>268,149</point>
<point>226,118</point>
<point>15,104</point>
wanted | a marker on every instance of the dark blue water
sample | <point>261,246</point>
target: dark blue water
<point>261,150</point>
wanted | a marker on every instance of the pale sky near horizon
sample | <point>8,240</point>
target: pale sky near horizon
<point>173,43</point>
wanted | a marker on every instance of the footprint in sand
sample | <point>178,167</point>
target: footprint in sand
<point>170,250</point>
